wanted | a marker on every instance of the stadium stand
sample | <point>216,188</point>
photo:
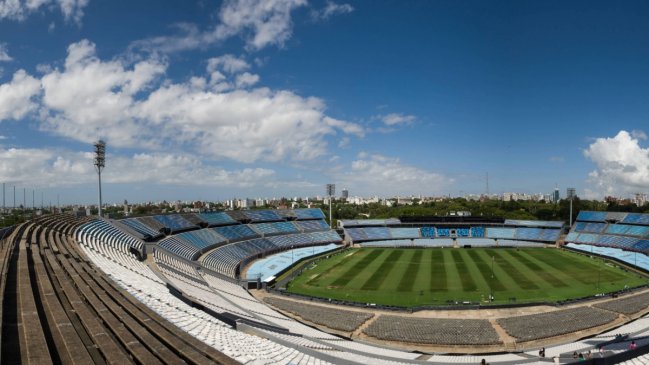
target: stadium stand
<point>550,324</point>
<point>338,319</point>
<point>405,233</point>
<point>236,232</point>
<point>347,223</point>
<point>174,222</point>
<point>627,305</point>
<point>216,219</point>
<point>145,231</point>
<point>493,232</point>
<point>529,223</point>
<point>428,232</point>
<point>628,231</point>
<point>586,216</point>
<point>272,228</point>
<point>262,215</point>
<point>238,215</point>
<point>311,225</point>
<point>308,213</point>
<point>477,231</point>
<point>472,332</point>
<point>227,259</point>
<point>75,291</point>
<point>73,313</point>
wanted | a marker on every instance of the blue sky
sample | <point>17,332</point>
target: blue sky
<point>246,98</point>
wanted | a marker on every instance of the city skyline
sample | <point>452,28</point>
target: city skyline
<point>212,100</point>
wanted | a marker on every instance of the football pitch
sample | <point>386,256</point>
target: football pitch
<point>439,276</point>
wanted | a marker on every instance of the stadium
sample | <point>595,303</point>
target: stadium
<point>243,287</point>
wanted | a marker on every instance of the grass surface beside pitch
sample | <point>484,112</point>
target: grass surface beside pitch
<point>438,276</point>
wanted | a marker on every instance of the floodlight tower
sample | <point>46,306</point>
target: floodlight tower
<point>100,163</point>
<point>331,191</point>
<point>571,195</point>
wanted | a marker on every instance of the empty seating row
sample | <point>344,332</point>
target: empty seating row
<point>237,232</point>
<point>494,232</point>
<point>180,247</point>
<point>203,239</point>
<point>622,217</point>
<point>174,222</point>
<point>556,323</point>
<point>144,230</point>
<point>102,230</point>
<point>308,213</point>
<point>627,305</point>
<point>439,331</point>
<point>623,242</point>
<point>590,227</point>
<point>216,218</point>
<point>227,259</point>
<point>274,228</point>
<point>587,216</point>
<point>636,218</point>
<point>530,223</point>
<point>338,319</point>
<point>312,225</point>
<point>262,215</point>
<point>82,315</point>
<point>347,223</point>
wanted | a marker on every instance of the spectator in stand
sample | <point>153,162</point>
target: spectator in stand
<point>632,346</point>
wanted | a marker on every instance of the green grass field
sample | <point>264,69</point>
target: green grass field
<point>435,276</point>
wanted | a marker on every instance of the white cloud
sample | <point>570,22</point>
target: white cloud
<point>132,106</point>
<point>4,53</point>
<point>638,134</point>
<point>243,125</point>
<point>183,170</point>
<point>72,10</point>
<point>269,21</point>
<point>92,99</point>
<point>261,22</point>
<point>397,118</point>
<point>622,165</point>
<point>246,79</point>
<point>17,96</point>
<point>330,10</point>
<point>227,63</point>
<point>47,167</point>
<point>376,174</point>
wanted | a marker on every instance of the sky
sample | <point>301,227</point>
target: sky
<point>211,100</point>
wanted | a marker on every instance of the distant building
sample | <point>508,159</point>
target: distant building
<point>556,196</point>
<point>571,193</point>
<point>640,199</point>
<point>345,193</point>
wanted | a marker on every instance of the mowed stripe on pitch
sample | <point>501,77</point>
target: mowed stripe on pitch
<point>317,279</point>
<point>375,281</point>
<point>353,271</point>
<point>516,275</point>
<point>486,272</point>
<point>539,271</point>
<point>468,284</point>
<point>438,271</point>
<point>408,279</point>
